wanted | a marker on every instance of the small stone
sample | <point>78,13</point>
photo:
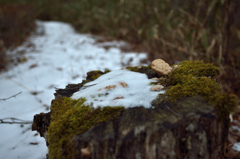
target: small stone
<point>157,88</point>
<point>161,67</point>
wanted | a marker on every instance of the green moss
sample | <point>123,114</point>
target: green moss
<point>92,75</point>
<point>193,86</point>
<point>153,83</point>
<point>197,78</point>
<point>144,69</point>
<point>195,69</point>
<point>225,103</point>
<point>72,88</point>
<point>71,117</point>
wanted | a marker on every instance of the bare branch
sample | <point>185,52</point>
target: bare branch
<point>24,87</point>
<point>11,96</point>
<point>14,121</point>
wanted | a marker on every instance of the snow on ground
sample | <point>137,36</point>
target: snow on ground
<point>236,130</point>
<point>56,56</point>
<point>236,146</point>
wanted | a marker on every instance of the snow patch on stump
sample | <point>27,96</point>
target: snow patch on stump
<point>130,89</point>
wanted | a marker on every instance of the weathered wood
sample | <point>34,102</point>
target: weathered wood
<point>189,129</point>
<point>41,123</point>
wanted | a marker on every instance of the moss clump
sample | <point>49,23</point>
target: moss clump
<point>197,78</point>
<point>144,69</point>
<point>193,86</point>
<point>72,88</point>
<point>195,69</point>
<point>92,75</point>
<point>225,103</point>
<point>153,83</point>
<point>71,117</point>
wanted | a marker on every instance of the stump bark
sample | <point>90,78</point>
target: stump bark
<point>189,129</point>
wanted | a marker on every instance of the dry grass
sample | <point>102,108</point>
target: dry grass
<point>16,23</point>
<point>172,30</point>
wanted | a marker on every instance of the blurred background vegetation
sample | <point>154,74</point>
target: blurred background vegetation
<point>175,30</point>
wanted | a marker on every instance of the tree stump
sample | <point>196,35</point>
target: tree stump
<point>189,128</point>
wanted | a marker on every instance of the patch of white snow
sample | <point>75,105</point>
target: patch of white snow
<point>236,146</point>
<point>136,93</point>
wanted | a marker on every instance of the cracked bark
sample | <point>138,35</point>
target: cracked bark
<point>191,132</point>
<point>188,129</point>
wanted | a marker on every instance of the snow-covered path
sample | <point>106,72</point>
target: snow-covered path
<point>56,56</point>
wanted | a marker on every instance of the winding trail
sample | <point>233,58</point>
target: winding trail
<point>55,55</point>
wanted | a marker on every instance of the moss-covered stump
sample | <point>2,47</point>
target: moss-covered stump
<point>190,120</point>
<point>189,129</point>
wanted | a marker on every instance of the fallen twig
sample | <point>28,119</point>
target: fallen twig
<point>24,87</point>
<point>14,121</point>
<point>11,96</point>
